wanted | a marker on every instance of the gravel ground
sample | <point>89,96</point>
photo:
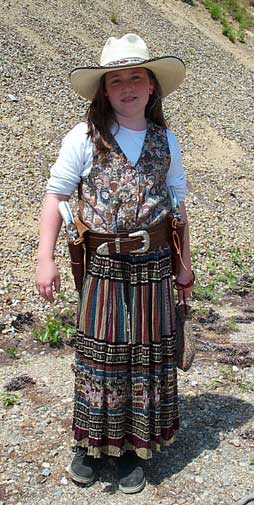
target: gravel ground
<point>212,114</point>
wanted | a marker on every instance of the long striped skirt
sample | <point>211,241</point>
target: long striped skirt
<point>125,370</point>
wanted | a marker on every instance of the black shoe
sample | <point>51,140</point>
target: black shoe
<point>131,474</point>
<point>82,468</point>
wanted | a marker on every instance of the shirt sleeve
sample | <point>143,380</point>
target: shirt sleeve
<point>73,160</point>
<point>176,176</point>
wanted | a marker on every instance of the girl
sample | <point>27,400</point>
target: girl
<point>125,375</point>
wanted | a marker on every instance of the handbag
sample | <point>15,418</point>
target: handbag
<point>185,341</point>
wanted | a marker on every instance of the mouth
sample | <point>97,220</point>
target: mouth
<point>128,99</point>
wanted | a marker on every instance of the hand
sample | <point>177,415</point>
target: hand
<point>185,278</point>
<point>47,278</point>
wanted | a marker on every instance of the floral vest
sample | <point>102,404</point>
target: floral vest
<point>118,196</point>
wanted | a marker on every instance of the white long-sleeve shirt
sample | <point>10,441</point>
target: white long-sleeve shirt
<point>76,157</point>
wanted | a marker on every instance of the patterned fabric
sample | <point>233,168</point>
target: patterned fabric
<point>125,391</point>
<point>126,383</point>
<point>118,196</point>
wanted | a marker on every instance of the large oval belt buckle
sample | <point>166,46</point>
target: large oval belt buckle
<point>103,249</point>
<point>146,240</point>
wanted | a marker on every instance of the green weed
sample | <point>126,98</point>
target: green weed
<point>12,352</point>
<point>9,399</point>
<point>113,18</point>
<point>206,292</point>
<point>215,384</point>
<point>246,385</point>
<point>229,32</point>
<point>232,377</point>
<point>237,257</point>
<point>218,275</point>
<point>215,9</point>
<point>227,278</point>
<point>53,332</point>
<point>239,12</point>
<point>231,326</point>
<point>228,12</point>
<point>241,36</point>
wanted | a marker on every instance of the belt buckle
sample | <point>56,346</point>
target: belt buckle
<point>146,240</point>
<point>103,249</point>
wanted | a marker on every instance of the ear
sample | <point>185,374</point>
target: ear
<point>151,88</point>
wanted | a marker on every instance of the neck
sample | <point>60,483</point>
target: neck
<point>132,123</point>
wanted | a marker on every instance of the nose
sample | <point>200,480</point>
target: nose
<point>127,85</point>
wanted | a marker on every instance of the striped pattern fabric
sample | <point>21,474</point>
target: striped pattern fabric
<point>125,370</point>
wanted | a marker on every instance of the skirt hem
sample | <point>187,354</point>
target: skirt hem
<point>109,450</point>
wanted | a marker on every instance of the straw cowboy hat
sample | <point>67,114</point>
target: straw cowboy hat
<point>128,52</point>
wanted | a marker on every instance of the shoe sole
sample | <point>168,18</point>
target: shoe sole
<point>134,489</point>
<point>80,480</point>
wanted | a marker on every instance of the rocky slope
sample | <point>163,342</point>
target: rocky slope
<point>212,115</point>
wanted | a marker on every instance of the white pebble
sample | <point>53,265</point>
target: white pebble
<point>64,481</point>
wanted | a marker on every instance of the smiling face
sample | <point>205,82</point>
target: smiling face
<point>128,91</point>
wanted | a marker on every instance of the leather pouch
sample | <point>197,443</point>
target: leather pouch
<point>176,238</point>
<point>185,341</point>
<point>77,254</point>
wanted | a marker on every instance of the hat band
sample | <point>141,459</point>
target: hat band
<point>125,61</point>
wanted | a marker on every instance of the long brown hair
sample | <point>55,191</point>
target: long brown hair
<point>100,115</point>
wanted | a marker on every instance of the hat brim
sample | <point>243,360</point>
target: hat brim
<point>169,70</point>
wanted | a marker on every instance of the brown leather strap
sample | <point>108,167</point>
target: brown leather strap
<point>121,243</point>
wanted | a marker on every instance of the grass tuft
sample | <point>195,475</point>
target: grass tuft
<point>217,276</point>
<point>231,13</point>
<point>231,376</point>
<point>113,18</point>
<point>53,332</point>
<point>9,399</point>
<point>12,352</point>
<point>215,9</point>
<point>229,32</point>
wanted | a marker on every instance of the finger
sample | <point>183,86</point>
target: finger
<point>57,284</point>
<point>49,293</point>
<point>44,295</point>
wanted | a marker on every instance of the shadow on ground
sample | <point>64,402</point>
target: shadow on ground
<point>206,416</point>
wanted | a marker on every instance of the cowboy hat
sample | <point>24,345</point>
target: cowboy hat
<point>128,52</point>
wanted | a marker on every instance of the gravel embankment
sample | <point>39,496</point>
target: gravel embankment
<point>212,114</point>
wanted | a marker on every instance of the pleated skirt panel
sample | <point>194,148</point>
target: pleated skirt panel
<point>125,370</point>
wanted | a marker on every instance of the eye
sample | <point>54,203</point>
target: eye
<point>114,82</point>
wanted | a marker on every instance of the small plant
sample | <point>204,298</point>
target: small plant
<point>228,12</point>
<point>231,376</point>
<point>30,171</point>
<point>229,32</point>
<point>231,326</point>
<point>215,9</point>
<point>12,352</point>
<point>9,399</point>
<point>246,385</point>
<point>215,383</point>
<point>204,292</point>
<point>113,18</point>
<point>241,36</point>
<point>54,332</point>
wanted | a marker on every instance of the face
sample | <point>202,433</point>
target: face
<point>128,91</point>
